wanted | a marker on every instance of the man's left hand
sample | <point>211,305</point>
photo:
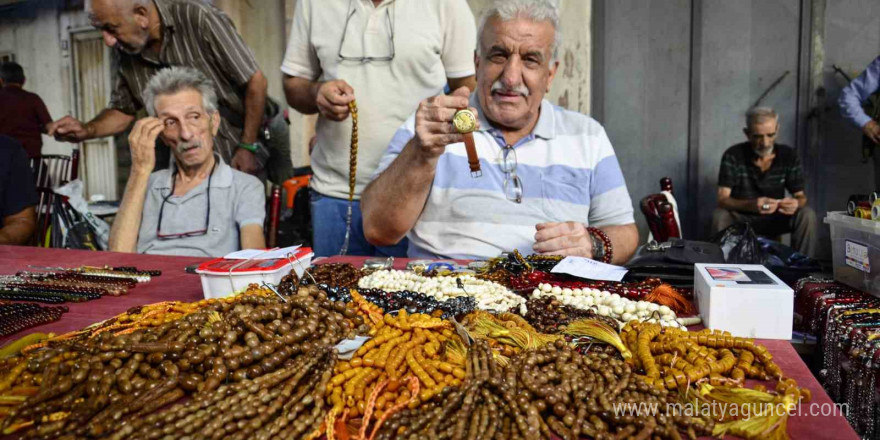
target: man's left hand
<point>788,206</point>
<point>245,161</point>
<point>563,238</point>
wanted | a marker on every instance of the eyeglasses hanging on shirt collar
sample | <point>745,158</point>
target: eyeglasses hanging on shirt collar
<point>366,59</point>
<point>513,187</point>
<point>196,233</point>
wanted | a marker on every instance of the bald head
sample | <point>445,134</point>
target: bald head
<point>124,24</point>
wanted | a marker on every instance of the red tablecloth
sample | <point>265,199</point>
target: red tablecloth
<point>175,284</point>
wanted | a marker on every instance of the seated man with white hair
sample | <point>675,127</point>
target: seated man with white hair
<point>550,180</point>
<point>199,207</point>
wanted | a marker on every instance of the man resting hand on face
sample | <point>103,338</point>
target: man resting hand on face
<point>199,207</point>
<point>550,180</point>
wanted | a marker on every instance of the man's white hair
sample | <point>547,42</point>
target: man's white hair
<point>757,115</point>
<point>534,10</point>
<point>144,3</point>
<point>177,79</point>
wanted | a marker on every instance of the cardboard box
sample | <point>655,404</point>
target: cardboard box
<point>744,299</point>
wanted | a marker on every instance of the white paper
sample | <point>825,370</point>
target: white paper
<point>262,254</point>
<point>348,347</point>
<point>589,269</point>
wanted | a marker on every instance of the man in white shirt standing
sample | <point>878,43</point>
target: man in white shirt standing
<point>387,54</point>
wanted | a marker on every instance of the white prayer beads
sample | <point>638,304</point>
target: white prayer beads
<point>488,295</point>
<point>611,305</point>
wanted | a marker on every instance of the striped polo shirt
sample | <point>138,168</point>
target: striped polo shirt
<point>568,170</point>
<point>198,35</point>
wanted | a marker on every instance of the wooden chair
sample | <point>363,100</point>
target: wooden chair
<point>50,170</point>
<point>660,213</point>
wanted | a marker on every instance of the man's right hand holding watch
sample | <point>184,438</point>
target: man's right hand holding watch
<point>434,123</point>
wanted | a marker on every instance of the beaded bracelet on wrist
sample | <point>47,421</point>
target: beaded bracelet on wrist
<point>606,241</point>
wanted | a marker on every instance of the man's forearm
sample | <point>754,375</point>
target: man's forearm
<point>254,107</point>
<point>624,239</point>
<point>251,237</point>
<point>127,224</point>
<point>109,122</point>
<point>469,81</point>
<point>301,94</point>
<point>19,228</point>
<point>392,203</point>
<point>731,204</point>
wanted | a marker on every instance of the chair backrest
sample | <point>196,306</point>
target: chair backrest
<point>660,213</point>
<point>49,171</point>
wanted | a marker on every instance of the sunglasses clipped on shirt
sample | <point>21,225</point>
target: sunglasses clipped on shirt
<point>196,233</point>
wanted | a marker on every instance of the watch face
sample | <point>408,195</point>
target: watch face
<point>465,121</point>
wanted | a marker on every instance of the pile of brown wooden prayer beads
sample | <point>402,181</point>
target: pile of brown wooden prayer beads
<point>544,393</point>
<point>331,274</point>
<point>15,317</point>
<point>90,387</point>
<point>287,403</point>
<point>547,314</point>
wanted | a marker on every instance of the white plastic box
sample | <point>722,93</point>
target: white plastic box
<point>225,277</point>
<point>855,248</point>
<point>746,300</point>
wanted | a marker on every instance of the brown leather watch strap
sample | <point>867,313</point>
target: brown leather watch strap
<point>473,160</point>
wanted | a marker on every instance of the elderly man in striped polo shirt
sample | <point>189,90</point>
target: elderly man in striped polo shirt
<point>550,180</point>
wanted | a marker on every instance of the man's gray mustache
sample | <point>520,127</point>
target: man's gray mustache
<point>187,145</point>
<point>521,89</point>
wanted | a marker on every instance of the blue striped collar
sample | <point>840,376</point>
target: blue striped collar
<point>544,129</point>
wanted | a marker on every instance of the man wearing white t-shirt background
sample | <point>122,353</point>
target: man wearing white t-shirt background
<point>386,54</point>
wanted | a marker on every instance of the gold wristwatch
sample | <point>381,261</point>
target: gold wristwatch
<point>465,122</point>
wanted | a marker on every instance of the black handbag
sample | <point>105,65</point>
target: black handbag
<point>672,261</point>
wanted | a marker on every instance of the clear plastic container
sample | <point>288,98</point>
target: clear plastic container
<point>855,249</point>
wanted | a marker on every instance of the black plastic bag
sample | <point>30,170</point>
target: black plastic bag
<point>740,245</point>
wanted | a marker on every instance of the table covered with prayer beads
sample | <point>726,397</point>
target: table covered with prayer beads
<point>812,421</point>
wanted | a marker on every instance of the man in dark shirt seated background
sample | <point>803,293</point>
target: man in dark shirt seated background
<point>752,181</point>
<point>23,115</point>
<point>18,195</point>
